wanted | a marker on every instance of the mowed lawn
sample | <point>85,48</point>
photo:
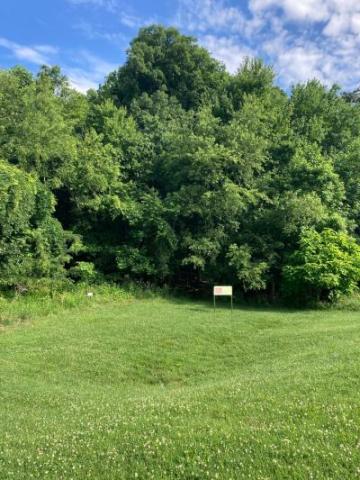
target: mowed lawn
<point>165,389</point>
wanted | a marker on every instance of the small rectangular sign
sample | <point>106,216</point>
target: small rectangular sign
<point>223,291</point>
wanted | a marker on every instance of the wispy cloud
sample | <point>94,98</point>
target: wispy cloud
<point>110,5</point>
<point>311,11</point>
<point>81,80</point>
<point>38,55</point>
<point>227,50</point>
<point>302,39</point>
<point>318,39</point>
<point>121,10</point>
<point>46,49</point>
<point>206,15</point>
<point>83,69</point>
<point>89,71</point>
<point>131,21</point>
<point>96,32</point>
<point>305,10</point>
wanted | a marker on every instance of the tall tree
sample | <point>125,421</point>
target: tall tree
<point>161,58</point>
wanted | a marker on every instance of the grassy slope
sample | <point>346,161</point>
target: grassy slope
<point>163,389</point>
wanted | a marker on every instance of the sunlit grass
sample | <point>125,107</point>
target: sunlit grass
<point>166,389</point>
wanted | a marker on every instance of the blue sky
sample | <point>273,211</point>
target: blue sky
<point>302,39</point>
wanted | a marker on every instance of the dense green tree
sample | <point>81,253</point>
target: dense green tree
<point>325,265</point>
<point>347,165</point>
<point>161,58</point>
<point>34,133</point>
<point>32,242</point>
<point>253,78</point>
<point>176,171</point>
<point>323,116</point>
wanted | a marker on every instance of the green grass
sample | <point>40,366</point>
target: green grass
<point>163,389</point>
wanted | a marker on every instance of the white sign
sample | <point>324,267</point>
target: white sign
<point>223,291</point>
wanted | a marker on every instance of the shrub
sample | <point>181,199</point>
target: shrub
<point>84,272</point>
<point>326,265</point>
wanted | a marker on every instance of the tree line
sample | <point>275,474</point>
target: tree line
<point>176,172</point>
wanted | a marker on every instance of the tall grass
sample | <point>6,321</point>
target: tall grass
<point>45,298</point>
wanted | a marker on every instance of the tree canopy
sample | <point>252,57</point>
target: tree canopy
<point>175,171</point>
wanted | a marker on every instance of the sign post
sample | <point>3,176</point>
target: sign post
<point>223,291</point>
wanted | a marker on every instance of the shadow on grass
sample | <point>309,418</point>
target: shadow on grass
<point>207,306</point>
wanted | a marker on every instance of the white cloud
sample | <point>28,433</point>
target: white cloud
<point>110,5</point>
<point>131,21</point>
<point>135,22</point>
<point>83,69</point>
<point>81,80</point>
<point>205,15</point>
<point>302,39</point>
<point>339,16</point>
<point>97,65</point>
<point>328,51</point>
<point>299,64</point>
<point>226,50</point>
<point>121,11</point>
<point>298,10</point>
<point>93,32</point>
<point>37,55</point>
<point>89,71</point>
<point>298,58</point>
<point>342,24</point>
<point>46,49</point>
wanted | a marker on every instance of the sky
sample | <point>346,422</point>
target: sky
<point>301,39</point>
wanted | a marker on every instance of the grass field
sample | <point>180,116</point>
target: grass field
<point>163,389</point>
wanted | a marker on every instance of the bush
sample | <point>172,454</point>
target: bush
<point>348,302</point>
<point>325,266</point>
<point>84,272</point>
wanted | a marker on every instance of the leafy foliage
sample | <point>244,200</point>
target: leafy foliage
<point>325,265</point>
<point>32,242</point>
<point>163,59</point>
<point>177,172</point>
